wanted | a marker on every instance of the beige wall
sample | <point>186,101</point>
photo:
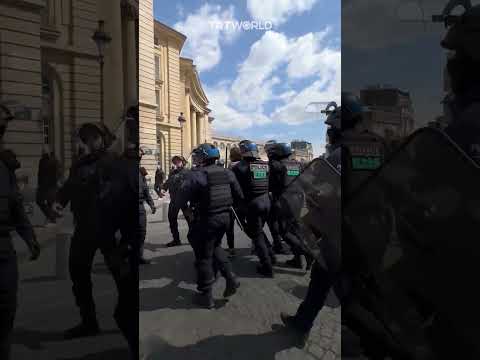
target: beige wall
<point>54,43</point>
<point>176,90</point>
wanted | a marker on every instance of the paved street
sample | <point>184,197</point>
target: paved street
<point>246,327</point>
<point>47,308</point>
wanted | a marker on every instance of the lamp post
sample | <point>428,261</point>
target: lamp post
<point>181,119</point>
<point>101,40</point>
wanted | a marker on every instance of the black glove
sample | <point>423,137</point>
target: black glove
<point>34,247</point>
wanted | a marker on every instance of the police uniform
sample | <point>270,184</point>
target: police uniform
<point>12,218</point>
<point>173,184</point>
<point>282,173</point>
<point>252,175</point>
<point>211,191</point>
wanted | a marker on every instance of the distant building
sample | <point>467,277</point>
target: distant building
<point>391,114</point>
<point>302,150</point>
<point>225,143</point>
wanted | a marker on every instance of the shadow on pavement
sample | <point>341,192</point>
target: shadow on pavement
<point>34,339</point>
<point>237,347</point>
<point>117,354</point>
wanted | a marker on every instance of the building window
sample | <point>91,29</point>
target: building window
<point>155,40</point>
<point>157,68</point>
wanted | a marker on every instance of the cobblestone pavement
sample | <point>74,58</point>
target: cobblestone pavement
<point>246,327</point>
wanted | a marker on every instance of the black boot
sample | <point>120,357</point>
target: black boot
<point>231,289</point>
<point>279,249</point>
<point>265,271</point>
<point>310,260</point>
<point>84,329</point>
<point>175,242</point>
<point>295,262</point>
<point>301,336</point>
<point>204,299</point>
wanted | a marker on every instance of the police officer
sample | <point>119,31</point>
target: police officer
<point>85,190</point>
<point>283,172</point>
<point>12,218</point>
<point>252,175</point>
<point>144,196</point>
<point>211,191</point>
<point>463,104</point>
<point>235,157</point>
<point>272,220</point>
<point>172,185</point>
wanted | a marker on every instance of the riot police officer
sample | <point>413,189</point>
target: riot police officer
<point>12,218</point>
<point>211,191</point>
<point>282,174</point>
<point>172,185</point>
<point>272,220</point>
<point>463,104</point>
<point>252,175</point>
<point>85,189</point>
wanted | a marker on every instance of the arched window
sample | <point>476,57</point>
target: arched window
<point>215,144</point>
<point>222,146</point>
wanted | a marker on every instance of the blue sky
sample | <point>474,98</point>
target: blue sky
<point>259,82</point>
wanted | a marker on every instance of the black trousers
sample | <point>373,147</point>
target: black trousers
<point>205,236</point>
<point>173,210</point>
<point>142,229</point>
<point>256,216</point>
<point>231,232</point>
<point>8,300</point>
<point>44,200</point>
<point>273,225</point>
<point>320,284</point>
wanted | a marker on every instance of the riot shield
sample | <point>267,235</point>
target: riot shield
<point>415,224</point>
<point>319,219</point>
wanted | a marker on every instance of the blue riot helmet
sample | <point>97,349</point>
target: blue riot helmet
<point>248,149</point>
<point>280,151</point>
<point>351,111</point>
<point>205,154</point>
<point>268,146</point>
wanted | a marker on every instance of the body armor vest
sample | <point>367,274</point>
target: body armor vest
<point>219,197</point>
<point>258,178</point>
<point>6,191</point>
<point>291,171</point>
<point>364,154</point>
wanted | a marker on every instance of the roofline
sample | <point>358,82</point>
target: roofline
<point>171,31</point>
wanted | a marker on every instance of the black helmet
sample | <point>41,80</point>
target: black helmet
<point>279,151</point>
<point>96,128</point>
<point>352,111</point>
<point>333,115</point>
<point>463,35</point>
<point>203,153</point>
<point>248,149</point>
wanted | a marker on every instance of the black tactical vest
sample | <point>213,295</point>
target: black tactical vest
<point>364,154</point>
<point>258,178</point>
<point>291,170</point>
<point>219,197</point>
<point>6,191</point>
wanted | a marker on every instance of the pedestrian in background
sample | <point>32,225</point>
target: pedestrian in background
<point>159,179</point>
<point>144,196</point>
<point>49,173</point>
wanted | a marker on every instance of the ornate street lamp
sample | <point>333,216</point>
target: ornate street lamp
<point>181,119</point>
<point>101,39</point>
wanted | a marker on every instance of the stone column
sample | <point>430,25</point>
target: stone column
<point>131,58</point>
<point>187,135</point>
<point>199,128</point>
<point>193,118</point>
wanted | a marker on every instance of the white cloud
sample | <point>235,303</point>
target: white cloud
<point>277,11</point>
<point>204,38</point>
<point>272,61</point>
<point>226,116</point>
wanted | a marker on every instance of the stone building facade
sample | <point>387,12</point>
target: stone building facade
<point>170,91</point>
<point>49,64</point>
<point>225,143</point>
